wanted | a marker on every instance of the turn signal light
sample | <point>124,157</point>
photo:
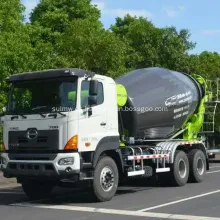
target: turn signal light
<point>87,144</point>
<point>72,144</point>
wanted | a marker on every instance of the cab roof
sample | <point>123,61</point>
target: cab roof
<point>47,74</point>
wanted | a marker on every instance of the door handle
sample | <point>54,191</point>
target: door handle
<point>103,124</point>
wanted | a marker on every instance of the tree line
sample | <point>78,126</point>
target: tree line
<point>64,33</point>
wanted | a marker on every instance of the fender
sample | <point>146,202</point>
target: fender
<point>171,148</point>
<point>105,144</point>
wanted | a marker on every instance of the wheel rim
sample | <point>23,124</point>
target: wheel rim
<point>107,179</point>
<point>182,168</point>
<point>200,166</point>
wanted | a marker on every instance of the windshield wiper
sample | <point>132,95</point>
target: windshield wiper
<point>55,114</point>
<point>38,107</point>
<point>16,117</point>
<point>23,116</point>
<point>61,113</point>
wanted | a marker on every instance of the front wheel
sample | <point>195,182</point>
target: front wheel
<point>105,182</point>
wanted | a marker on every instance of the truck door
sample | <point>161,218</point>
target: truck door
<point>91,128</point>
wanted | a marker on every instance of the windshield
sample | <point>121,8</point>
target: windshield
<point>57,95</point>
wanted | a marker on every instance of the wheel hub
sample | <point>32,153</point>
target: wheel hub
<point>182,168</point>
<point>200,166</point>
<point>107,179</point>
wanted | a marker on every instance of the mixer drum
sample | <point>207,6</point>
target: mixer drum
<point>159,102</point>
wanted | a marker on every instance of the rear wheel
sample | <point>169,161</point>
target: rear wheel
<point>197,161</point>
<point>37,190</point>
<point>180,171</point>
<point>105,182</point>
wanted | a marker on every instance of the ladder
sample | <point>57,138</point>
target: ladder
<point>211,106</point>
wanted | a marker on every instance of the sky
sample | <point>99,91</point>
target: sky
<point>200,17</point>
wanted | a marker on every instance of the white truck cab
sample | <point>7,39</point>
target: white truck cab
<point>57,124</point>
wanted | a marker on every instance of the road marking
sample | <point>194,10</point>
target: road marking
<point>116,212</point>
<point>178,201</point>
<point>20,193</point>
<point>213,167</point>
<point>216,171</point>
<point>9,186</point>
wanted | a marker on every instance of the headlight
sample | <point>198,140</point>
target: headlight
<point>66,161</point>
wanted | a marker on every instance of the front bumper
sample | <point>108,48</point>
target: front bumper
<point>41,168</point>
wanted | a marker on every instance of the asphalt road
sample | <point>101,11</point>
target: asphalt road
<point>137,200</point>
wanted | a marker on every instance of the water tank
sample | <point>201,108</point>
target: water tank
<point>159,102</point>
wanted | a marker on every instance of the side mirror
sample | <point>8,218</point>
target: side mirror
<point>93,88</point>
<point>92,100</point>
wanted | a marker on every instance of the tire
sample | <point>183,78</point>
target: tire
<point>180,171</point>
<point>197,165</point>
<point>37,190</point>
<point>105,170</point>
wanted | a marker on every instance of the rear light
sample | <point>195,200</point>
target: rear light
<point>72,144</point>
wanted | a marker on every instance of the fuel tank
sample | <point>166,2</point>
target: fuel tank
<point>159,102</point>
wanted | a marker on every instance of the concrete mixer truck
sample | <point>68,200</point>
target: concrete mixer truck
<point>69,125</point>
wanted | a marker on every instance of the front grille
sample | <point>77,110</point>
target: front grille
<point>47,140</point>
<point>30,166</point>
<point>40,139</point>
<point>32,157</point>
